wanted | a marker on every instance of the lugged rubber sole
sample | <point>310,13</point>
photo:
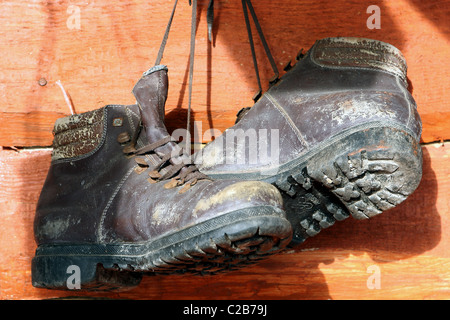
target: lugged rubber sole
<point>368,172</point>
<point>222,244</point>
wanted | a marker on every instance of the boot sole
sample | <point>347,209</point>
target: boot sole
<point>222,244</point>
<point>366,173</point>
<point>361,173</point>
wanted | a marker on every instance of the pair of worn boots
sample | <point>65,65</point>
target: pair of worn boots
<point>337,135</point>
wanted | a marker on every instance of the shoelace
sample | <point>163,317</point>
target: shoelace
<point>180,172</point>
<point>177,170</point>
<point>188,172</point>
<point>248,7</point>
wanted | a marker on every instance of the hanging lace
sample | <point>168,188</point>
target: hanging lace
<point>248,7</point>
<point>176,166</point>
<point>178,171</point>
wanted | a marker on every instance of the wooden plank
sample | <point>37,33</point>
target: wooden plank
<point>99,62</point>
<point>29,129</point>
<point>408,245</point>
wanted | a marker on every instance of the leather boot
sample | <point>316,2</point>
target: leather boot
<point>338,134</point>
<point>121,199</point>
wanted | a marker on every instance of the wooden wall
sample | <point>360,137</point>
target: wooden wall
<point>99,60</point>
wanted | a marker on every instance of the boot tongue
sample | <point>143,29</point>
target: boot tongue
<point>151,93</point>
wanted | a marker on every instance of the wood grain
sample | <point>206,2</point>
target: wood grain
<point>99,63</point>
<point>409,245</point>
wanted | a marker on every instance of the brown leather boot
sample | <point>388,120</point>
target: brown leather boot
<point>338,134</point>
<point>119,200</point>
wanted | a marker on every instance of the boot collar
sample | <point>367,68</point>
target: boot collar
<point>349,52</point>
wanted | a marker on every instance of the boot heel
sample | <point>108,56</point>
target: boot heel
<point>79,273</point>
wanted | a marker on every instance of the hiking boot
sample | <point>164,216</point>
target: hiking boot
<point>121,199</point>
<point>342,132</point>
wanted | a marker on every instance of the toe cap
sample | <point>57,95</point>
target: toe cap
<point>240,195</point>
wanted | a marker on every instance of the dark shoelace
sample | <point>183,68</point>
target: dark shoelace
<point>247,5</point>
<point>178,168</point>
<point>182,172</point>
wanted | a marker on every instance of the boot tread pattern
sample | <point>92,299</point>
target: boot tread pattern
<point>366,183</point>
<point>362,183</point>
<point>309,207</point>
